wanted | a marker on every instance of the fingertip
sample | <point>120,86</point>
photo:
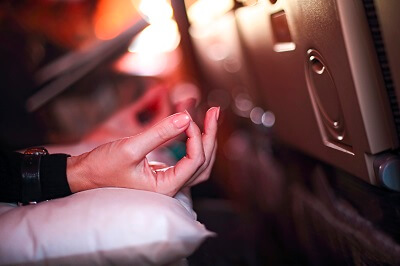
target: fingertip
<point>187,112</point>
<point>160,133</point>
<point>211,119</point>
<point>215,110</point>
<point>181,120</point>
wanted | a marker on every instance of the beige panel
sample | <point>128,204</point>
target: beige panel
<point>283,75</point>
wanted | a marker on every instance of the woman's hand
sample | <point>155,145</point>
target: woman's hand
<point>123,163</point>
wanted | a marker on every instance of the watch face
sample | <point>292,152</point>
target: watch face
<point>36,151</point>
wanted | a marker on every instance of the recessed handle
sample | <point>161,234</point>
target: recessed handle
<point>316,65</point>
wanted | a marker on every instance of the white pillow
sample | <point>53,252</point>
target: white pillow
<point>101,226</point>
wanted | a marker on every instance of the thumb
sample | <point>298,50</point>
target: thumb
<point>160,133</point>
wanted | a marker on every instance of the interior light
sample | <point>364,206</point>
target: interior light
<point>157,38</point>
<point>153,51</point>
<point>204,11</point>
<point>156,11</point>
<point>256,115</point>
<point>268,119</point>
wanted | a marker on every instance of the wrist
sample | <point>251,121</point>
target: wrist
<point>77,173</point>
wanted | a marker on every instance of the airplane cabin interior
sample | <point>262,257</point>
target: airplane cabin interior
<point>307,170</point>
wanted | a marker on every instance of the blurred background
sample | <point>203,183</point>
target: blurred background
<point>307,170</point>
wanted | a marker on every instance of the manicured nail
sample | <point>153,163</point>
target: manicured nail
<point>181,120</point>
<point>190,117</point>
<point>217,113</point>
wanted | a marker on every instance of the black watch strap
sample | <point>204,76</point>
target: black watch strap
<point>30,172</point>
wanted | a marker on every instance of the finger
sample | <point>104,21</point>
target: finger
<point>194,144</point>
<point>208,138</point>
<point>205,174</point>
<point>210,131</point>
<point>188,165</point>
<point>160,133</point>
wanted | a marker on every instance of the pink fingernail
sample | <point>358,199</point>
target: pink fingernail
<point>217,113</point>
<point>181,120</point>
<point>190,117</point>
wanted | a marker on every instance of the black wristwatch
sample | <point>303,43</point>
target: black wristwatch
<point>30,173</point>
